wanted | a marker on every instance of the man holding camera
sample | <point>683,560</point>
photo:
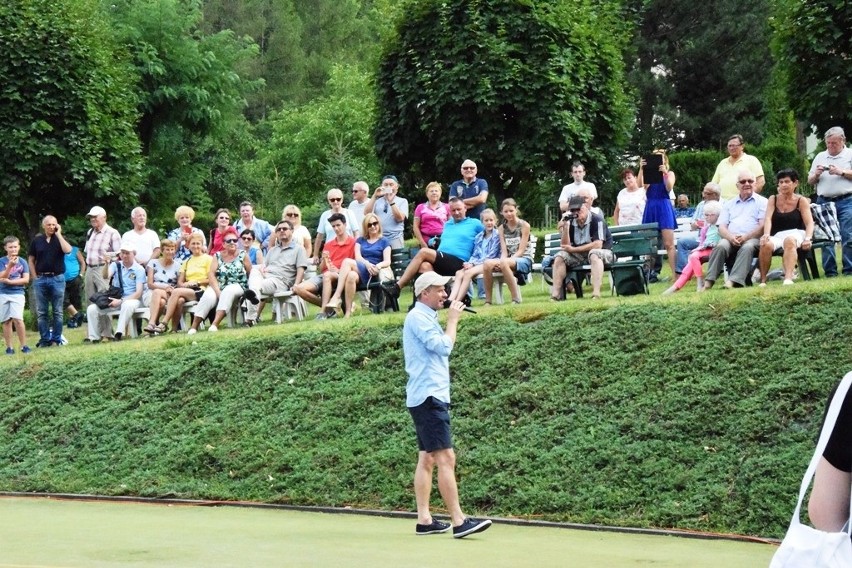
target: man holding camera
<point>585,240</point>
<point>391,209</point>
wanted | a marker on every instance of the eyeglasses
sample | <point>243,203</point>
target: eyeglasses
<point>282,229</point>
<point>230,241</point>
<point>468,167</point>
<point>734,145</point>
<point>376,224</point>
<point>746,181</point>
<point>247,238</point>
<point>334,199</point>
<point>292,214</point>
<point>224,218</point>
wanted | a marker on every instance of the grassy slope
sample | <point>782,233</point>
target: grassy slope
<point>694,413</point>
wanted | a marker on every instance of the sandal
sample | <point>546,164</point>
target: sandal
<point>150,328</point>
<point>161,328</point>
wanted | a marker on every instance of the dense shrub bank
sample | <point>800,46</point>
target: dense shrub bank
<point>690,415</point>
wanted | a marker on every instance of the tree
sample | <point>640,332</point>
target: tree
<point>322,144</point>
<point>190,95</point>
<point>814,50</point>
<point>701,75</point>
<point>523,88</point>
<point>67,112</point>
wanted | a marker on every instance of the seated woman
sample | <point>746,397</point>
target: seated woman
<point>227,282</point>
<point>514,256</point>
<point>163,276</point>
<point>789,225</point>
<point>708,238</point>
<point>192,281</point>
<point>255,254</point>
<point>372,253</point>
<point>301,234</point>
<point>486,246</point>
<point>217,233</point>
<point>630,202</point>
<point>180,236</point>
<point>430,216</point>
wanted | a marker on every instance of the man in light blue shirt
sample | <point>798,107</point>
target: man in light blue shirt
<point>740,226</point>
<point>427,350</point>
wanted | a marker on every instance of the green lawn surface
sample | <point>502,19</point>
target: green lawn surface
<point>42,533</point>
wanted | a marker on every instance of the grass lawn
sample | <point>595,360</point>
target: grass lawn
<point>49,533</point>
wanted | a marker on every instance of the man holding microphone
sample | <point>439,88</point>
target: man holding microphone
<point>427,349</point>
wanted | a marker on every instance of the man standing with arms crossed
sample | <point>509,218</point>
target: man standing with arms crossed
<point>831,174</point>
<point>427,351</point>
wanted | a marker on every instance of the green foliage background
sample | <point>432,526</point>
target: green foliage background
<point>691,415</point>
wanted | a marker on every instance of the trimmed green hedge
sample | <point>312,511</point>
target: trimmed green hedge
<point>700,414</point>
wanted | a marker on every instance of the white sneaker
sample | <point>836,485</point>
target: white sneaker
<point>762,285</point>
<point>787,282</point>
<point>212,328</point>
<point>191,331</point>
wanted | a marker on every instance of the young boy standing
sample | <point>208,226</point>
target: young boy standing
<point>14,275</point>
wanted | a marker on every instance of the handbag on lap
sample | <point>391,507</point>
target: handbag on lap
<point>804,546</point>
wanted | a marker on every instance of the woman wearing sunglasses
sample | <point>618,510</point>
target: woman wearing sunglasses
<point>372,253</point>
<point>228,278</point>
<point>301,235</point>
<point>217,234</point>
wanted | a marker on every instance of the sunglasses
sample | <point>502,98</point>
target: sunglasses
<point>231,241</point>
<point>282,229</point>
<point>372,224</point>
<point>468,168</point>
<point>247,238</point>
<point>292,214</point>
<point>334,199</point>
<point>224,218</point>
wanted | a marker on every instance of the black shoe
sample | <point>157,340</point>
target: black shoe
<point>118,336</point>
<point>435,527</point>
<point>391,287</point>
<point>251,296</point>
<point>470,526</point>
<point>467,300</point>
<point>43,344</point>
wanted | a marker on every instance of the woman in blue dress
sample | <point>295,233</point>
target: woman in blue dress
<point>659,208</point>
<point>372,253</point>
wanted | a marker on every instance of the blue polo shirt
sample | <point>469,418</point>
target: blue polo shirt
<point>427,356</point>
<point>458,238</point>
<point>464,190</point>
<point>129,277</point>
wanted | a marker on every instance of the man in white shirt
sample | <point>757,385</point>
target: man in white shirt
<point>360,196</point>
<point>144,240</point>
<point>578,172</point>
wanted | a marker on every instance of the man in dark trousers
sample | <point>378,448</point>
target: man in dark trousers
<point>47,271</point>
<point>427,362</point>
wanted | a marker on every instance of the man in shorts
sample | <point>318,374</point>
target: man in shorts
<point>427,349</point>
<point>455,249</point>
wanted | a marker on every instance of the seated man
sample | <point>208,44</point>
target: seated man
<point>685,245</point>
<point>682,208</point>
<point>283,266</point>
<point>130,277</point>
<point>455,249</point>
<point>585,239</point>
<point>740,226</point>
<point>319,288</point>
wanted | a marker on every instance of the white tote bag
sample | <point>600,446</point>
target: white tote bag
<point>804,546</point>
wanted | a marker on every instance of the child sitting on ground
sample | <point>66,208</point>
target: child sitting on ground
<point>486,245</point>
<point>708,237</point>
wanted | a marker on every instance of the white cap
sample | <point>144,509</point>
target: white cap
<point>428,279</point>
<point>96,211</point>
<point>128,247</point>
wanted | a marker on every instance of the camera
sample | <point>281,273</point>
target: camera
<point>569,216</point>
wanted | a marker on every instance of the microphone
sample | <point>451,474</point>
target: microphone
<point>466,309</point>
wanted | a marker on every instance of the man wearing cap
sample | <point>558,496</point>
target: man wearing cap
<point>427,349</point>
<point>391,209</point>
<point>47,267</point>
<point>144,240</point>
<point>101,239</point>
<point>470,189</point>
<point>585,240</point>
<point>128,275</point>
<point>324,229</point>
<point>262,229</point>
<point>455,249</point>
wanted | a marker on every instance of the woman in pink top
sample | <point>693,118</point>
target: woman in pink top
<point>429,217</point>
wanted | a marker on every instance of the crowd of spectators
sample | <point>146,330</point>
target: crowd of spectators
<point>247,261</point>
